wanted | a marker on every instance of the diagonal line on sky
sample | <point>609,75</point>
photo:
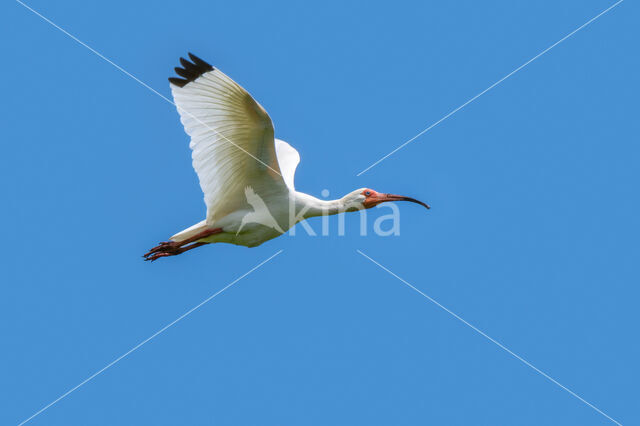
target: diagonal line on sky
<point>128,74</point>
<point>136,347</point>
<point>490,87</point>
<point>491,339</point>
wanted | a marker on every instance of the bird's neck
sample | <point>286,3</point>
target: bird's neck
<point>310,206</point>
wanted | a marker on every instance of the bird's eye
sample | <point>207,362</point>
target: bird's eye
<point>367,193</point>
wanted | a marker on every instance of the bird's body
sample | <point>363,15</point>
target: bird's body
<point>247,175</point>
<point>251,226</point>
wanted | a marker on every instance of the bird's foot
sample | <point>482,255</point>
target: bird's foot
<point>172,248</point>
<point>163,249</point>
<point>169,248</point>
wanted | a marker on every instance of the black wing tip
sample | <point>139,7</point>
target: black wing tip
<point>190,71</point>
<point>178,81</point>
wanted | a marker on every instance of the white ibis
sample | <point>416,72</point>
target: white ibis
<point>245,173</point>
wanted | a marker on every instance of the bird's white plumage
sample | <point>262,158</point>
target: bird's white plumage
<point>232,142</point>
<point>288,159</point>
<point>260,214</point>
<point>247,175</point>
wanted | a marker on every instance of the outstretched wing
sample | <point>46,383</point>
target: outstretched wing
<point>231,137</point>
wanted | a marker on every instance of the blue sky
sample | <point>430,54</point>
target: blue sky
<point>532,238</point>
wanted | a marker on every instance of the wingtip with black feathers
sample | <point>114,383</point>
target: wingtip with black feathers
<point>190,70</point>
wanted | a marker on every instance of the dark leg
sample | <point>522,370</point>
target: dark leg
<point>172,248</point>
<point>174,252</point>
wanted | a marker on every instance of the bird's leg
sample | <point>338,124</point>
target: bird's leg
<point>174,252</point>
<point>172,248</point>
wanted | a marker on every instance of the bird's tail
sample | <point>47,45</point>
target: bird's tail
<point>189,232</point>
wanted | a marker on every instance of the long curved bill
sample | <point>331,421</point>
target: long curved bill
<point>392,197</point>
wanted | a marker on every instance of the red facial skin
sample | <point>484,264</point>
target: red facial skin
<point>374,198</point>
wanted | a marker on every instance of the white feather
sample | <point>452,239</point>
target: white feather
<point>288,159</point>
<point>232,142</point>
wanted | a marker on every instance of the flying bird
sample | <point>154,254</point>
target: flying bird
<point>245,173</point>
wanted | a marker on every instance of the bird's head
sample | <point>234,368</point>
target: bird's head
<point>367,198</point>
